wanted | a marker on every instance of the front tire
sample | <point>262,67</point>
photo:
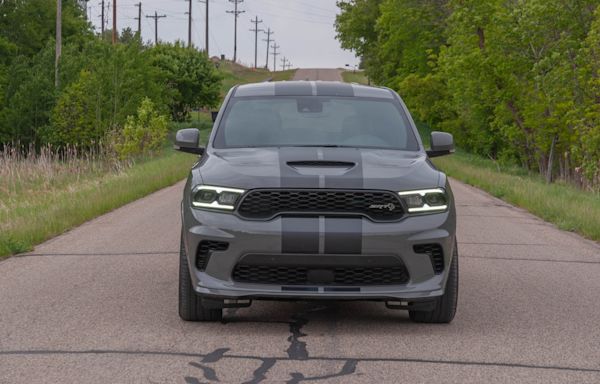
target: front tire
<point>445,307</point>
<point>190,304</point>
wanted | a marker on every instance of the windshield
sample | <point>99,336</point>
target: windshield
<point>315,121</point>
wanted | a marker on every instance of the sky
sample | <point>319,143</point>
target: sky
<point>304,29</point>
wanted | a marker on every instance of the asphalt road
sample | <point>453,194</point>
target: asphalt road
<point>318,74</point>
<point>99,305</point>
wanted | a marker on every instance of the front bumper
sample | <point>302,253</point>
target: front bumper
<point>265,237</point>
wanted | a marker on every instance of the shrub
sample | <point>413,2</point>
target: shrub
<point>142,134</point>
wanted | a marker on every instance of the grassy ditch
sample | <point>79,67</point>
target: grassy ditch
<point>564,205</point>
<point>569,208</point>
<point>44,195</point>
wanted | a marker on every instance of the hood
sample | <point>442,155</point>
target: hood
<point>335,168</point>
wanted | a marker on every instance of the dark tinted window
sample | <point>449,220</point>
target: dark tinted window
<point>314,121</point>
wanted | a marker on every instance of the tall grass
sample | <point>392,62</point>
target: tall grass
<point>568,207</point>
<point>43,194</point>
<point>24,169</point>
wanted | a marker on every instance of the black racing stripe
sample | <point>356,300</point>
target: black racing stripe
<point>334,89</point>
<point>291,178</point>
<point>293,88</point>
<point>300,235</point>
<point>343,236</point>
<point>354,178</point>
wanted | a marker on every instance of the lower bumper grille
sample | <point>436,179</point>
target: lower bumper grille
<point>205,249</point>
<point>435,253</point>
<point>301,275</point>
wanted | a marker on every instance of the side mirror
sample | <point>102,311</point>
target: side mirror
<point>214,115</point>
<point>442,144</point>
<point>188,140</point>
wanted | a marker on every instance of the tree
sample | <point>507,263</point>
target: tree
<point>355,26</point>
<point>409,33</point>
<point>190,79</point>
<point>512,80</point>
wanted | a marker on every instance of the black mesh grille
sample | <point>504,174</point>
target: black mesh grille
<point>377,205</point>
<point>436,254</point>
<point>205,249</point>
<point>293,275</point>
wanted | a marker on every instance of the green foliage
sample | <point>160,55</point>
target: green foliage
<point>98,98</point>
<point>29,97</point>
<point>28,24</point>
<point>73,119</point>
<point>355,27</point>
<point>191,79</point>
<point>404,51</point>
<point>143,134</point>
<point>512,80</point>
<point>100,84</point>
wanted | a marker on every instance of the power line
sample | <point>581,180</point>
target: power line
<point>275,54</point>
<point>156,17</point>
<point>268,40</point>
<point>256,30</point>
<point>236,14</point>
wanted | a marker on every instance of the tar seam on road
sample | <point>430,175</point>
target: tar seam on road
<point>315,358</point>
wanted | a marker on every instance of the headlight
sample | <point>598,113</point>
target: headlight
<point>426,200</point>
<point>205,196</point>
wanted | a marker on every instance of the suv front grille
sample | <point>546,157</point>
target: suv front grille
<point>266,204</point>
<point>205,249</point>
<point>296,275</point>
<point>435,253</point>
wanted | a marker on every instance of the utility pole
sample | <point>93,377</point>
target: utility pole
<point>189,12</point>
<point>268,40</point>
<point>236,14</point>
<point>256,30</point>
<point>114,31</point>
<point>102,16</point>
<point>284,61</point>
<point>156,17</point>
<point>206,32</point>
<point>139,18</point>
<point>58,41</point>
<point>206,37</point>
<point>275,48</point>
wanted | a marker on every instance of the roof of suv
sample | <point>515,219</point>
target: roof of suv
<point>311,88</point>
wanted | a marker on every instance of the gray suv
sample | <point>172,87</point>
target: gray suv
<point>317,191</point>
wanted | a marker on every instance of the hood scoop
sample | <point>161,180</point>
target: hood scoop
<point>321,167</point>
<point>321,163</point>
